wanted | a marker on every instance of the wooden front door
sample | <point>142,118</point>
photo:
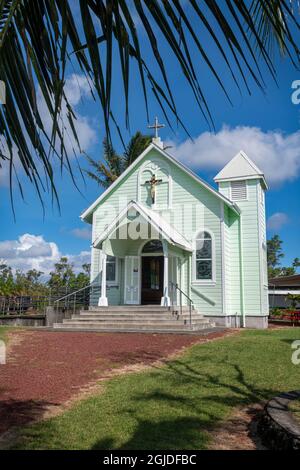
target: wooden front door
<point>152,279</point>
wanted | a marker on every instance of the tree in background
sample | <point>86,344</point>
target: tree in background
<point>105,173</point>
<point>275,254</point>
<point>63,277</point>
<point>83,278</point>
<point>31,283</point>
<point>6,280</point>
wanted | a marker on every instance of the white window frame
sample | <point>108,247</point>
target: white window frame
<point>211,281</point>
<point>113,282</point>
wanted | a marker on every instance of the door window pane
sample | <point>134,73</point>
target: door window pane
<point>111,268</point>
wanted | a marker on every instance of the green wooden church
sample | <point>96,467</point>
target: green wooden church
<point>164,240</point>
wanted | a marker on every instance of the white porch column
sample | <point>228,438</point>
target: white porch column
<point>103,299</point>
<point>165,300</point>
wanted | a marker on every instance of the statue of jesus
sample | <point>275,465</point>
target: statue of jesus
<point>153,182</point>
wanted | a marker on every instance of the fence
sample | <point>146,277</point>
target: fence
<point>30,304</point>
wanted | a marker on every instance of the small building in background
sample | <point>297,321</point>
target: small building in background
<point>280,288</point>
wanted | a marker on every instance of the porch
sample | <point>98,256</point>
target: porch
<point>139,256</point>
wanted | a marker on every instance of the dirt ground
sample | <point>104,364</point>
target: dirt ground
<point>45,370</point>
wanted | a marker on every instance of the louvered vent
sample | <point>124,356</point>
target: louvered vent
<point>238,190</point>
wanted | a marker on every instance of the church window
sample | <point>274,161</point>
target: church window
<point>204,257</point>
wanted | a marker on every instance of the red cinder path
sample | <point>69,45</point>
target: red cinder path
<point>47,368</point>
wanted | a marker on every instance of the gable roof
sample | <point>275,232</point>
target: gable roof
<point>240,167</point>
<point>169,157</point>
<point>153,218</point>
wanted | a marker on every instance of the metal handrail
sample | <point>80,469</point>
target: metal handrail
<point>71,304</point>
<point>175,288</point>
<point>72,293</point>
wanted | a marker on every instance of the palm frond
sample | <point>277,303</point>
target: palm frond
<point>40,39</point>
<point>107,171</point>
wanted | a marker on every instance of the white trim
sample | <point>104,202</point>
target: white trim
<point>167,231</point>
<point>207,282</point>
<point>237,178</point>
<point>92,277</point>
<point>283,292</point>
<point>165,300</point>
<point>103,302</point>
<point>223,260</point>
<point>260,253</point>
<point>243,313</point>
<point>91,208</point>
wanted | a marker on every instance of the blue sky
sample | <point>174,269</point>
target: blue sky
<point>266,127</point>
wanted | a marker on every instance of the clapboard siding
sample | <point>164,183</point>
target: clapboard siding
<point>192,209</point>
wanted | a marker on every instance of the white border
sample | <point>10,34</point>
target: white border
<point>223,260</point>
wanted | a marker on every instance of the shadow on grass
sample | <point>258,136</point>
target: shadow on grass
<point>188,432</point>
<point>21,412</point>
<point>183,433</point>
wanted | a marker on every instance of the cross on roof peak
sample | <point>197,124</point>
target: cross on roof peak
<point>156,126</point>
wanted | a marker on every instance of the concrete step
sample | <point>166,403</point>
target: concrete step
<point>137,313</point>
<point>183,331</point>
<point>130,326</point>
<point>134,308</point>
<point>135,316</point>
<point>135,322</point>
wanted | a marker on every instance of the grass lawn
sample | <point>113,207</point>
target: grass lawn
<point>295,409</point>
<point>175,406</point>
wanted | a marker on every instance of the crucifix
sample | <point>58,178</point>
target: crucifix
<point>153,182</point>
<point>156,126</point>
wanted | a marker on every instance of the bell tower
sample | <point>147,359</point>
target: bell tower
<point>244,183</point>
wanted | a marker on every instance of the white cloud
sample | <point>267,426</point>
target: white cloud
<point>34,252</point>
<point>84,233</point>
<point>277,154</point>
<point>277,220</point>
<point>76,88</point>
<point>5,164</point>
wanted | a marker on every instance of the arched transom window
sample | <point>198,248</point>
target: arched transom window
<point>153,246</point>
<point>204,252</point>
